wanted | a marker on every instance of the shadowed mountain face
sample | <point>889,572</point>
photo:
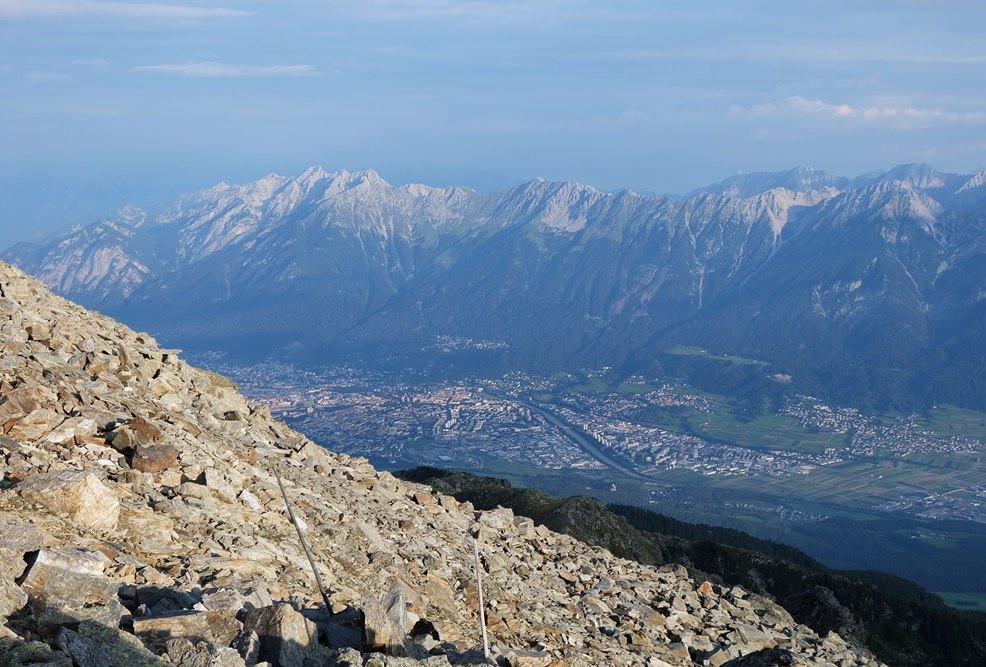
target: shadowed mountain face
<point>872,286</point>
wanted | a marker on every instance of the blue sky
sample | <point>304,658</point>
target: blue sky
<point>108,102</point>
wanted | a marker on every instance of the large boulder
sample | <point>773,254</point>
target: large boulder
<point>286,637</point>
<point>78,494</point>
<point>66,585</point>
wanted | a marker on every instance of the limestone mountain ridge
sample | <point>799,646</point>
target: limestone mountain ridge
<point>863,290</point>
<point>141,522</point>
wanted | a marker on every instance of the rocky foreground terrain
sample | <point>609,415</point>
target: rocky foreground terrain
<point>141,523</point>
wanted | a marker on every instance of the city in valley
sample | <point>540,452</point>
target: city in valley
<point>659,434</point>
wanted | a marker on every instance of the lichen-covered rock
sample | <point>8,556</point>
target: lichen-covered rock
<point>96,645</point>
<point>31,653</point>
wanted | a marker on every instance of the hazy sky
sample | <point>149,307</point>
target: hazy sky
<point>103,102</point>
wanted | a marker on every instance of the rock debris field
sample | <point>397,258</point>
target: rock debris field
<point>141,523</point>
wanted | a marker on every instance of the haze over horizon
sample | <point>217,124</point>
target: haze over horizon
<point>114,102</point>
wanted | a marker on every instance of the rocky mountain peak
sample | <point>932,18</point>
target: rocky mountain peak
<point>141,515</point>
<point>915,175</point>
<point>976,180</point>
<point>798,180</point>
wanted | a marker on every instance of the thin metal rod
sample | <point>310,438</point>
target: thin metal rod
<point>482,609</point>
<point>304,545</point>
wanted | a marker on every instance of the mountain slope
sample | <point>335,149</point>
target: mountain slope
<point>140,497</point>
<point>905,624</point>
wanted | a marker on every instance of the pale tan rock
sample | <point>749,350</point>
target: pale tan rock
<point>285,635</point>
<point>16,540</point>
<point>12,597</point>
<point>68,585</point>
<point>182,653</point>
<point>79,495</point>
<point>215,627</point>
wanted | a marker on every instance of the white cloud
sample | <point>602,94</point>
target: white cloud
<point>468,10</point>
<point>902,116</point>
<point>71,8</point>
<point>210,69</point>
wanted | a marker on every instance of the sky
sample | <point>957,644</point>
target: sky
<point>103,103</point>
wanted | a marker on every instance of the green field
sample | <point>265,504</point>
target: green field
<point>764,432</point>
<point>948,420</point>
<point>692,351</point>
<point>879,512</point>
<point>591,385</point>
<point>633,388</point>
<point>725,425</point>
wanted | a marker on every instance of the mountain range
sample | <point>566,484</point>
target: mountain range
<point>867,290</point>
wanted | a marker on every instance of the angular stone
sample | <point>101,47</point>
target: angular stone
<point>223,600</point>
<point>96,645</point>
<point>347,657</point>
<point>159,600</point>
<point>193,490</point>
<point>215,627</point>
<point>12,597</point>
<point>66,585</point>
<point>250,500</point>
<point>387,620</point>
<point>215,481</point>
<point>285,635</point>
<point>36,425</point>
<point>149,531</point>
<point>248,647</point>
<point>154,458</point>
<point>773,657</point>
<point>17,539</point>
<point>17,403</point>
<point>527,658</point>
<point>80,495</point>
<point>753,637</point>
<point>182,653</point>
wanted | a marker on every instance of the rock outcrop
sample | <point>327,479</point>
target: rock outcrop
<point>141,522</point>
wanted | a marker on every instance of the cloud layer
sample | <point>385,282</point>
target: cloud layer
<point>83,8</point>
<point>211,69</point>
<point>903,116</point>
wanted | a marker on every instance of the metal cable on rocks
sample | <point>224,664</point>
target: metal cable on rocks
<point>304,545</point>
